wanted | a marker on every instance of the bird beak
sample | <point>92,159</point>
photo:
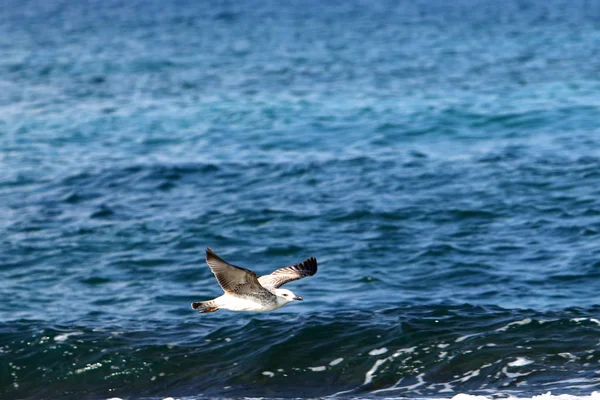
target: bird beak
<point>298,298</point>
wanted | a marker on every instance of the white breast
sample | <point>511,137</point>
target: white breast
<point>244,303</point>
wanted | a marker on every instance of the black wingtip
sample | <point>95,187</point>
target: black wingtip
<point>310,265</point>
<point>210,253</point>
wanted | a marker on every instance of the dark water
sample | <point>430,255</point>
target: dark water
<point>441,160</point>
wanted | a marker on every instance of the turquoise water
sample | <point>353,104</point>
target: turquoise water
<point>441,161</point>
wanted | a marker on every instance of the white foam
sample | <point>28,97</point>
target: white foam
<point>514,375</point>
<point>470,375</point>
<point>371,372</point>
<point>568,356</point>
<point>594,320</point>
<point>515,323</point>
<point>549,396</point>
<point>63,337</point>
<point>336,361</point>
<point>88,367</point>
<point>269,374</point>
<point>318,369</point>
<point>376,352</point>
<point>462,396</point>
<point>545,396</point>
<point>465,337</point>
<point>577,381</point>
<point>404,351</point>
<point>447,388</point>
<point>420,382</point>
<point>520,361</point>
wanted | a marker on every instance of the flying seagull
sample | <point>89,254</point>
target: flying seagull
<point>245,291</point>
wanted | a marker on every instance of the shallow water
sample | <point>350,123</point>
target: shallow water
<point>440,161</point>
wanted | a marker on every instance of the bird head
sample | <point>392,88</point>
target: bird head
<point>285,296</point>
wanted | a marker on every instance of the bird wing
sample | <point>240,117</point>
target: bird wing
<point>232,279</point>
<point>284,275</point>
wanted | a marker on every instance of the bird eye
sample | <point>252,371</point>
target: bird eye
<point>285,294</point>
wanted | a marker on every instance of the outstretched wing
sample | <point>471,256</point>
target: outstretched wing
<point>232,279</point>
<point>284,275</point>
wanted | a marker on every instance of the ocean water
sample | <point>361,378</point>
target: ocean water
<point>441,160</point>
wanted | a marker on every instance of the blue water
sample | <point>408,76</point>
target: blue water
<point>440,160</point>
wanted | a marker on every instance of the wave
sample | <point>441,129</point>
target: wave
<point>410,352</point>
<point>465,396</point>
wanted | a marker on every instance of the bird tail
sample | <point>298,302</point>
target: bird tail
<point>205,306</point>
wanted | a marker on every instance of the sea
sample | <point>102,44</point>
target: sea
<point>440,159</point>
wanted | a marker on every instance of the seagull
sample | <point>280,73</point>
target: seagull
<point>245,291</point>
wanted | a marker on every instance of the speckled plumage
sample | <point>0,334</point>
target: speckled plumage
<point>245,291</point>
